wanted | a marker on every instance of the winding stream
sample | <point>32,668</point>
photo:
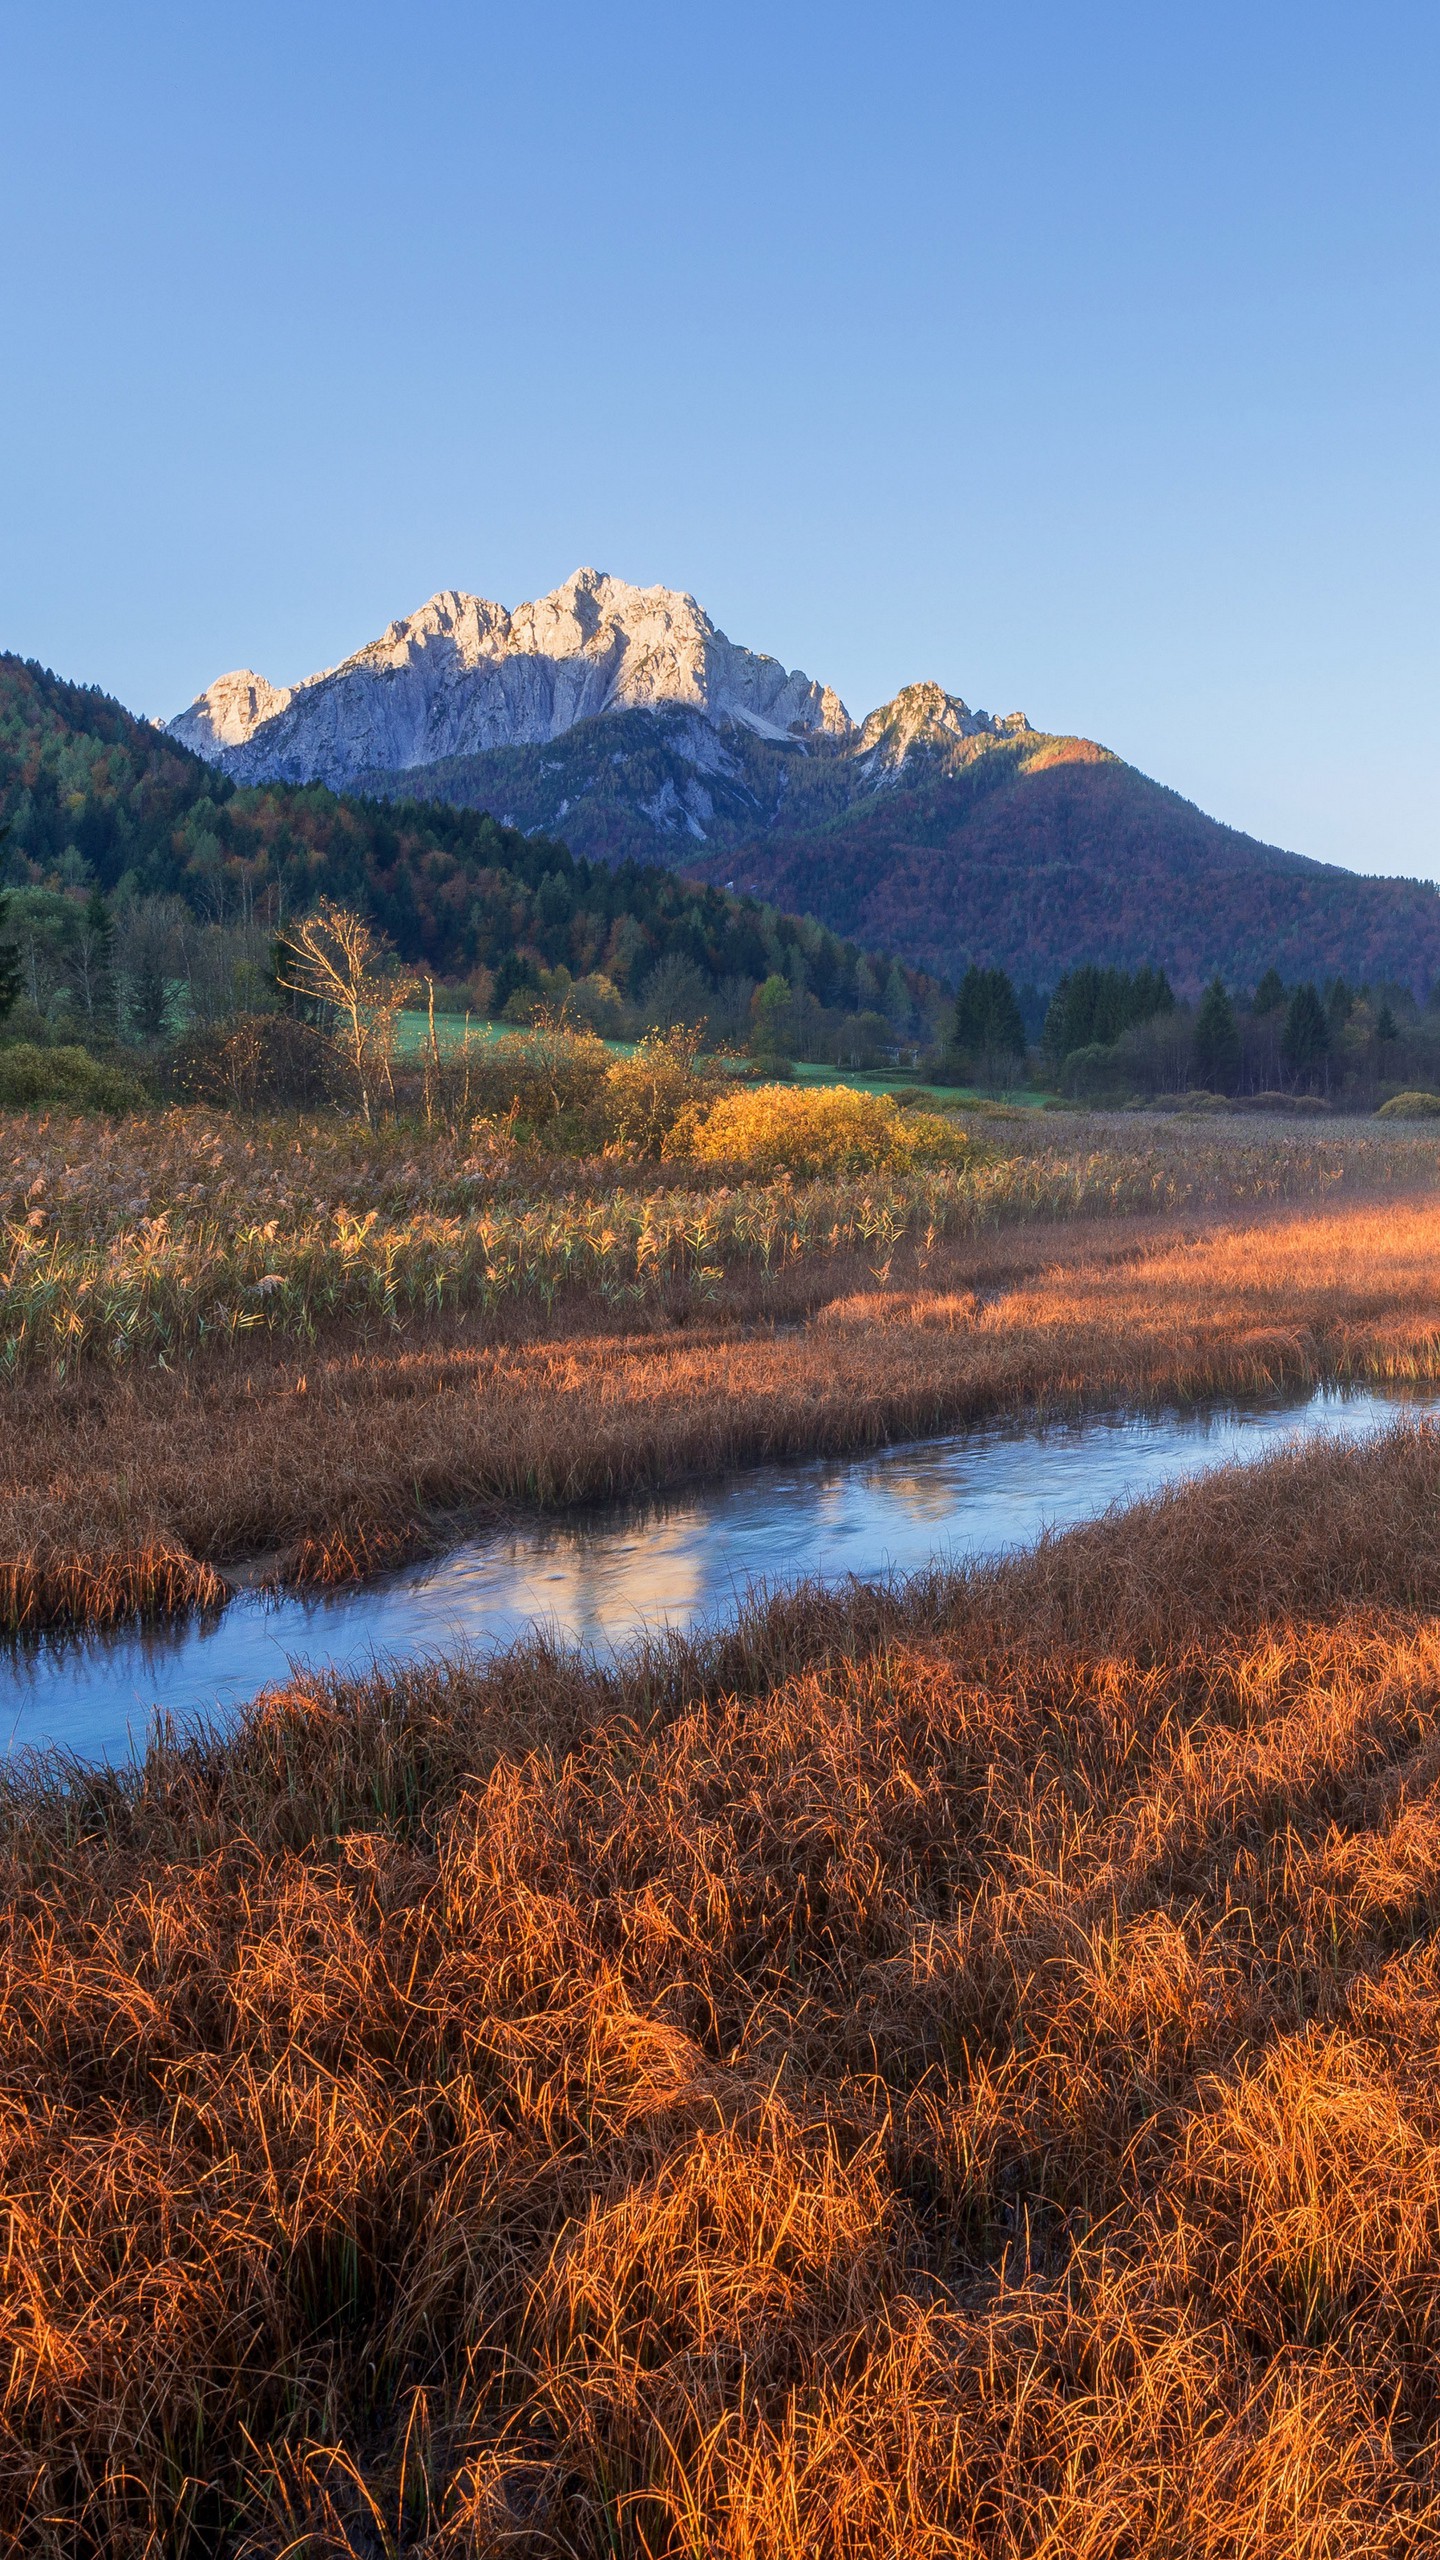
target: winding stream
<point>602,1576</point>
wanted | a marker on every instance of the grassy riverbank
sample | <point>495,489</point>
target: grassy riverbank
<point>307,1349</point>
<point>946,2071</point>
<point>148,1241</point>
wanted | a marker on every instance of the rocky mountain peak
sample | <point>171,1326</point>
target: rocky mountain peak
<point>464,675</point>
<point>926,716</point>
<point>227,714</point>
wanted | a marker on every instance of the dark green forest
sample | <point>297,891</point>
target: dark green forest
<point>113,828</point>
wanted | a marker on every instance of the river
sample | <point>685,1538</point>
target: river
<point>601,1576</point>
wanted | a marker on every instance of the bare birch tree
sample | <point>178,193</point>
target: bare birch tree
<point>334,958</point>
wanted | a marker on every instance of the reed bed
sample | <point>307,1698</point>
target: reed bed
<point>157,1239</point>
<point>946,2071</point>
<point>314,1466</point>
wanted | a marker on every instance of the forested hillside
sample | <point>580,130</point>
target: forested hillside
<point>1008,848</point>
<point>1001,849</point>
<point>1044,853</point>
<point>99,804</point>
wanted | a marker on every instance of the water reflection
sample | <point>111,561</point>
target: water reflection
<point>598,1578</point>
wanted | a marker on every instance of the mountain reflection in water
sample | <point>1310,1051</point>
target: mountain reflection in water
<point>601,1577</point>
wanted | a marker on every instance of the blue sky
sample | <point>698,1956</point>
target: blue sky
<point>1084,358</point>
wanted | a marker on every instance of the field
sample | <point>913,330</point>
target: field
<point>303,1349</point>
<point>937,2073</point>
<point>862,1080</point>
<point>452,1030</point>
<point>944,2071</point>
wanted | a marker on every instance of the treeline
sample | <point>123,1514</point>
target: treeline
<point>1112,1035</point>
<point>146,890</point>
<point>1338,1043</point>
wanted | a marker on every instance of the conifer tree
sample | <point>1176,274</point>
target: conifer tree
<point>988,1020</point>
<point>1091,1005</point>
<point>1305,1040</point>
<point>10,977</point>
<point>1217,1041</point>
<point>1150,993</point>
<point>1269,996</point>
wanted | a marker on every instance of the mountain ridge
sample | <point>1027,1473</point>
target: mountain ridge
<point>463,674</point>
<point>622,719</point>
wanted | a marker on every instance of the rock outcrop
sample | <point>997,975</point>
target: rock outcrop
<point>463,676</point>
<point>927,718</point>
<point>229,713</point>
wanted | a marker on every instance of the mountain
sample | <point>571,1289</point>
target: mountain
<point>462,676</point>
<point>91,797</point>
<point>619,718</point>
<point>1051,851</point>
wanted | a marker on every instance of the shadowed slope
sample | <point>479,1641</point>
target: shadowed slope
<point>1034,861</point>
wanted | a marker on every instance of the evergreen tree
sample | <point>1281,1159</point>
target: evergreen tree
<point>1150,994</point>
<point>1386,1026</point>
<point>515,976</point>
<point>10,972</point>
<point>149,997</point>
<point>1305,1040</point>
<point>1217,1041</point>
<point>896,1002</point>
<point>988,1021</point>
<point>1093,1006</point>
<point>1269,996</point>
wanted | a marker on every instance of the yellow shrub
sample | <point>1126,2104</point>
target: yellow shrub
<point>559,1085</point>
<point>1410,1106</point>
<point>645,1095</point>
<point>818,1129</point>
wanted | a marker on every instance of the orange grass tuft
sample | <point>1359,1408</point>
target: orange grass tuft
<point>103,1588</point>
<point>938,2071</point>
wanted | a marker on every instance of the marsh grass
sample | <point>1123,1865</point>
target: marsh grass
<point>938,2071</point>
<point>327,1462</point>
<point>186,1232</point>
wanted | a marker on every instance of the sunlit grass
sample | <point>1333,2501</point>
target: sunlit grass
<point>933,2072</point>
<point>153,1238</point>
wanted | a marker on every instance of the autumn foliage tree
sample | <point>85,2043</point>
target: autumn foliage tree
<point>337,962</point>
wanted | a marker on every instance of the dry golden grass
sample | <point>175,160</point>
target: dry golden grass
<point>326,1461</point>
<point>173,1237</point>
<point>948,2072</point>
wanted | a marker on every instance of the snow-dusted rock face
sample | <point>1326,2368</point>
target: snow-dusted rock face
<point>462,676</point>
